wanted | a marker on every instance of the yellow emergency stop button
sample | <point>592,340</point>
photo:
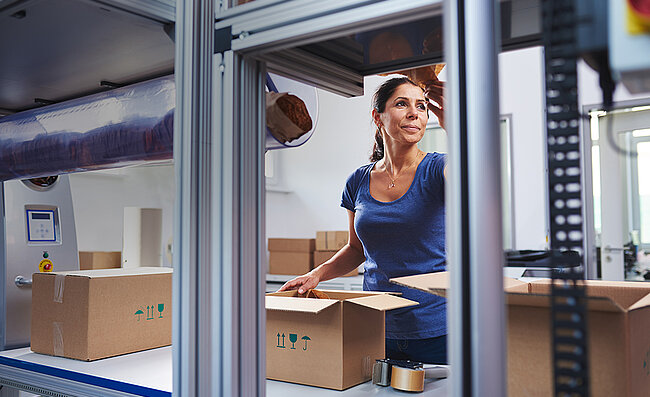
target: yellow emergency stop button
<point>45,266</point>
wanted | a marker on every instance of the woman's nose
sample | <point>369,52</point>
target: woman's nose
<point>412,112</point>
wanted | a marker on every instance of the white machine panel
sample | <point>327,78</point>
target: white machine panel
<point>41,227</point>
<point>38,235</point>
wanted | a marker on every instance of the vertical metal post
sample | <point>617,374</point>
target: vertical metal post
<point>218,339</point>
<point>195,370</point>
<point>476,303</point>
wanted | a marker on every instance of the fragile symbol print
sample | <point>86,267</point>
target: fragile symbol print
<point>151,312</point>
<point>293,338</point>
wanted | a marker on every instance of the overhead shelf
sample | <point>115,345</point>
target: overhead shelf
<point>338,64</point>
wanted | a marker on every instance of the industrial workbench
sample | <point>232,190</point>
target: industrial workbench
<point>146,373</point>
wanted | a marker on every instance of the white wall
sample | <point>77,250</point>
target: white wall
<point>520,96</point>
<point>314,174</point>
<point>99,199</point>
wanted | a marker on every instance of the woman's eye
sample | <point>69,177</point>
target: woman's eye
<point>422,107</point>
<point>401,103</point>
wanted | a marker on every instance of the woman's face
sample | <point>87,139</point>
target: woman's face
<point>405,117</point>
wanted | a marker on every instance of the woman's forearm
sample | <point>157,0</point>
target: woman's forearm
<point>344,261</point>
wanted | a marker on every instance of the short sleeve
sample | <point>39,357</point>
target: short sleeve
<point>349,193</point>
<point>435,175</point>
<point>352,185</point>
<point>438,167</point>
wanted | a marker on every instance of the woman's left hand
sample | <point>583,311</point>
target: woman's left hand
<point>435,90</point>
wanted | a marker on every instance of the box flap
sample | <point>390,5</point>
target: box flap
<point>304,305</point>
<point>134,271</point>
<point>433,283</point>
<point>643,302</point>
<point>438,283</point>
<point>383,302</point>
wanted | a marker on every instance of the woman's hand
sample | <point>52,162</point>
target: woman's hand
<point>302,283</point>
<point>435,90</point>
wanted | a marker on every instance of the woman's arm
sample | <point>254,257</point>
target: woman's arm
<point>343,262</point>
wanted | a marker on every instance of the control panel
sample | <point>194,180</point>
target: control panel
<point>42,225</point>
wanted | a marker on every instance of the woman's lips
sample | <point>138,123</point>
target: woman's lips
<point>411,128</point>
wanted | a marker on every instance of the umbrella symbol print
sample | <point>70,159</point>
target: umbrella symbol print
<point>139,313</point>
<point>305,338</point>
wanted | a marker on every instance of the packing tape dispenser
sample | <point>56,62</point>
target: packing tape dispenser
<point>405,375</point>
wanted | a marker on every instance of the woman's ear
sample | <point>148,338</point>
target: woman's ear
<point>376,116</point>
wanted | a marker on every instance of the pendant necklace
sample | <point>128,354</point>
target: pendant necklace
<point>392,180</point>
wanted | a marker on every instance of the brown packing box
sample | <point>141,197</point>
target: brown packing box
<point>92,314</point>
<point>618,331</point>
<point>332,240</point>
<point>324,256</point>
<point>292,263</point>
<point>292,244</point>
<point>330,343</point>
<point>89,260</point>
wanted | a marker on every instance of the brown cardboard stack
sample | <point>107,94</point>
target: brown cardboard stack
<point>331,240</point>
<point>618,331</point>
<point>331,342</point>
<point>89,260</point>
<point>293,256</point>
<point>329,243</point>
<point>92,314</point>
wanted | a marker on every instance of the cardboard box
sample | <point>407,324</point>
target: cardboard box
<point>89,260</point>
<point>292,263</point>
<point>332,240</point>
<point>292,244</point>
<point>330,343</point>
<point>324,256</point>
<point>93,314</point>
<point>618,330</point>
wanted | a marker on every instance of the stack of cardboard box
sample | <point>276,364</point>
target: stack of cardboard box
<point>329,243</point>
<point>293,256</point>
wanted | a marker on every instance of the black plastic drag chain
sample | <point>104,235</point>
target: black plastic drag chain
<point>568,305</point>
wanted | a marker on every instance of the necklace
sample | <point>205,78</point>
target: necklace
<point>392,180</point>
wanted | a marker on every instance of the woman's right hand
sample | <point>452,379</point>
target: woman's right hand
<point>302,283</point>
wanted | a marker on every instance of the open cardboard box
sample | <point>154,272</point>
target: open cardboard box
<point>618,331</point>
<point>330,342</point>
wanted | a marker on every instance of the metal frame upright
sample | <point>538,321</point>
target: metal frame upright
<point>218,336</point>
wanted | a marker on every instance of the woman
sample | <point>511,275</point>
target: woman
<point>396,219</point>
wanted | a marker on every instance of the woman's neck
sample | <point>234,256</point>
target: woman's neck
<point>399,158</point>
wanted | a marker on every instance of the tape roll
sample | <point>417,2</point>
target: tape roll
<point>407,379</point>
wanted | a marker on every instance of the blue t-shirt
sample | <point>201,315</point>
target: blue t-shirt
<point>402,238</point>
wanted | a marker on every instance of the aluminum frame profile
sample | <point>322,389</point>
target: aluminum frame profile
<point>47,385</point>
<point>271,33</point>
<point>219,316</point>
<point>196,323</point>
<point>476,311</point>
<point>300,22</point>
<point>163,11</point>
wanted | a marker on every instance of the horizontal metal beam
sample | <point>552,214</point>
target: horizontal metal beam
<point>298,23</point>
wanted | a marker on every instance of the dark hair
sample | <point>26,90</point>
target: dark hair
<point>379,99</point>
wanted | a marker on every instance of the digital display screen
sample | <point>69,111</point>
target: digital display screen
<point>37,215</point>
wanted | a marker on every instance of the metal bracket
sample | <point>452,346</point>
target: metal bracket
<point>222,39</point>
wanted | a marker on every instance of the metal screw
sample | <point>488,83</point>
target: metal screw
<point>243,35</point>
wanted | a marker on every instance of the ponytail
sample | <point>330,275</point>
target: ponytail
<point>378,148</point>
